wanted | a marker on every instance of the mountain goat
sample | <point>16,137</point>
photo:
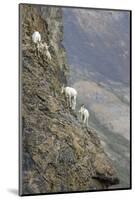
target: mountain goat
<point>84,115</point>
<point>71,95</point>
<point>48,54</point>
<point>44,47</point>
<point>36,37</point>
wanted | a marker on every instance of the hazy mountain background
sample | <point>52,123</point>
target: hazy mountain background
<point>97,43</point>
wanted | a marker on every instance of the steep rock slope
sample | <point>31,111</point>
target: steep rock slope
<point>58,154</point>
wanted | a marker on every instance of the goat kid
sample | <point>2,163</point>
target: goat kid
<point>48,54</point>
<point>84,113</point>
<point>44,47</point>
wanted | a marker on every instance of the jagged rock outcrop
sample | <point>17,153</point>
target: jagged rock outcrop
<point>58,154</point>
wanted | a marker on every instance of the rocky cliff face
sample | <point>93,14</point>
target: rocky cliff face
<point>58,154</point>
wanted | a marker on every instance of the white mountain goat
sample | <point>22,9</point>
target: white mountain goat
<point>71,95</point>
<point>41,46</point>
<point>48,54</point>
<point>47,51</point>
<point>84,115</point>
<point>36,38</point>
<point>44,47</point>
